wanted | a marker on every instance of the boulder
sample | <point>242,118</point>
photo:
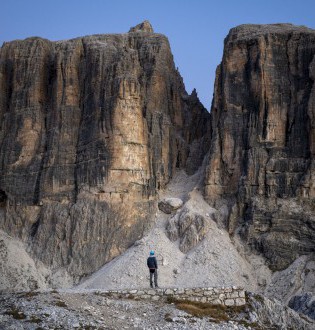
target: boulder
<point>187,226</point>
<point>169,205</point>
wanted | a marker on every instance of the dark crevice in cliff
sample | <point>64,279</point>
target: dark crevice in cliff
<point>298,121</point>
<point>37,188</point>
<point>250,108</point>
<point>290,120</point>
<point>265,101</point>
<point>219,114</point>
<point>3,198</point>
<point>82,67</point>
<point>7,66</point>
<point>49,81</point>
<point>225,173</point>
<point>34,228</point>
<point>9,83</point>
<point>265,120</point>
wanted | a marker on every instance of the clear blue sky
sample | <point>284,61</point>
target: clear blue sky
<point>196,28</point>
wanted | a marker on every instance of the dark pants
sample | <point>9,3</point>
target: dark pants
<point>153,272</point>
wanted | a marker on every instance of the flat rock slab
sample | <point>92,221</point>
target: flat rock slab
<point>169,205</point>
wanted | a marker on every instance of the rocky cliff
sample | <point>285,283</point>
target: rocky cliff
<point>261,167</point>
<point>90,130</point>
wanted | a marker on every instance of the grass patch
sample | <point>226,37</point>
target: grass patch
<point>15,313</point>
<point>171,300</point>
<point>217,312</point>
<point>61,303</point>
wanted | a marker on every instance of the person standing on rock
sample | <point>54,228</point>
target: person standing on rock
<point>152,264</point>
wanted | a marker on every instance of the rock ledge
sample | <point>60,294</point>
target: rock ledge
<point>145,26</point>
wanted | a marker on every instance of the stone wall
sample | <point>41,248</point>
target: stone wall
<point>229,296</point>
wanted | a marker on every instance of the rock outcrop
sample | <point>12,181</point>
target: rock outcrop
<point>261,167</point>
<point>189,227</point>
<point>99,309</point>
<point>305,304</point>
<point>90,129</point>
<point>169,205</point>
<point>270,313</point>
<point>142,27</point>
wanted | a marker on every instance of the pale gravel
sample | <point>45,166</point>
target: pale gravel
<point>20,272</point>
<point>214,262</point>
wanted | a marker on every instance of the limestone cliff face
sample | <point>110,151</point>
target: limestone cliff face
<point>262,156</point>
<point>90,129</point>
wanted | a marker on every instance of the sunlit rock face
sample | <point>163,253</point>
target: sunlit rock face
<point>91,129</point>
<point>261,168</point>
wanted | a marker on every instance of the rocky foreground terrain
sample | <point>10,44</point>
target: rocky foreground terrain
<point>104,156</point>
<point>61,310</point>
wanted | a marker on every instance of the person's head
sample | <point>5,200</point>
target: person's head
<point>151,253</point>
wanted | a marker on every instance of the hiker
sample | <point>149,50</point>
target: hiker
<point>152,264</point>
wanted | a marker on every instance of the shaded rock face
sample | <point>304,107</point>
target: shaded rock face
<point>304,303</point>
<point>262,156</point>
<point>298,278</point>
<point>90,129</point>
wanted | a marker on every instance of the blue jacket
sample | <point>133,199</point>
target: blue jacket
<point>151,262</point>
